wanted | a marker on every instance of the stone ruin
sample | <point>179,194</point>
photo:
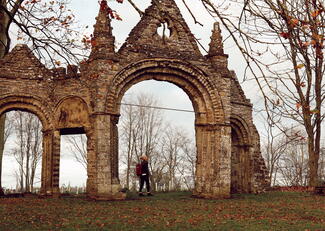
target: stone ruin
<point>87,100</point>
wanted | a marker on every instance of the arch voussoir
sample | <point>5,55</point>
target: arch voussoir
<point>241,128</point>
<point>28,103</point>
<point>191,79</point>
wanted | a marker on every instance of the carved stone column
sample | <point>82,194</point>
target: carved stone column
<point>46,176</point>
<point>105,133</point>
<point>114,150</point>
<point>56,163</point>
<point>50,163</point>
<point>213,161</point>
<point>91,162</point>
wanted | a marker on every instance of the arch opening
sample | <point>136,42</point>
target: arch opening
<point>32,104</point>
<point>146,127</point>
<point>23,152</point>
<point>72,121</point>
<point>73,162</point>
<point>210,120</point>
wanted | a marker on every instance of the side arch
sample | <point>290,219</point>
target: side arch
<point>34,105</point>
<point>30,104</point>
<point>72,114</point>
<point>240,127</point>
<point>241,164</point>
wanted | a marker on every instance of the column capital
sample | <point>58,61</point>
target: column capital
<point>105,113</point>
<point>212,126</point>
<point>47,131</point>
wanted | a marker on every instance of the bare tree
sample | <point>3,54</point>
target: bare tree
<point>157,169</point>
<point>28,150</point>
<point>284,152</point>
<point>139,131</point>
<point>282,43</point>
<point>188,162</point>
<point>78,148</point>
<point>322,165</point>
<point>6,128</point>
<point>293,165</point>
<point>174,143</point>
<point>273,146</point>
<point>48,26</point>
<point>273,150</point>
<point>127,139</point>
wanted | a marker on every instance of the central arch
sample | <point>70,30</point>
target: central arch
<point>192,80</point>
<point>211,128</point>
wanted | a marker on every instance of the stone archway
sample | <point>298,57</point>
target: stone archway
<point>27,103</point>
<point>240,156</point>
<point>72,117</point>
<point>34,105</point>
<point>195,83</point>
<point>212,131</point>
<point>214,90</point>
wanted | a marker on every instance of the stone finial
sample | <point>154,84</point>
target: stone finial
<point>102,40</point>
<point>216,45</point>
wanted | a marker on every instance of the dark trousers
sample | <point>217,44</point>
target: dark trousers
<point>144,178</point>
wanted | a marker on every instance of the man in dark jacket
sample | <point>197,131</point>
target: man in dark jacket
<point>144,177</point>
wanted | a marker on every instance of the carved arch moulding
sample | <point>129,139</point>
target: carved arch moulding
<point>193,81</point>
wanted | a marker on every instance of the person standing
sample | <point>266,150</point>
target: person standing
<point>144,177</point>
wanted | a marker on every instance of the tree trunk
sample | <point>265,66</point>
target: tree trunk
<point>21,137</point>
<point>28,156</point>
<point>313,164</point>
<point>128,176</point>
<point>4,23</point>
<point>32,176</point>
<point>2,130</point>
<point>4,43</point>
<point>313,152</point>
<point>152,183</point>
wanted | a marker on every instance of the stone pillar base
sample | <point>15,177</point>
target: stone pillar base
<point>109,196</point>
<point>50,194</point>
<point>211,196</point>
<point>112,193</point>
<point>56,195</point>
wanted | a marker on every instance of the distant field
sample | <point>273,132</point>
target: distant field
<point>167,211</point>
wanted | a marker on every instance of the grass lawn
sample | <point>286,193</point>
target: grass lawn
<point>167,211</point>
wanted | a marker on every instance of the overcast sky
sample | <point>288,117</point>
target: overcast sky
<point>168,94</point>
